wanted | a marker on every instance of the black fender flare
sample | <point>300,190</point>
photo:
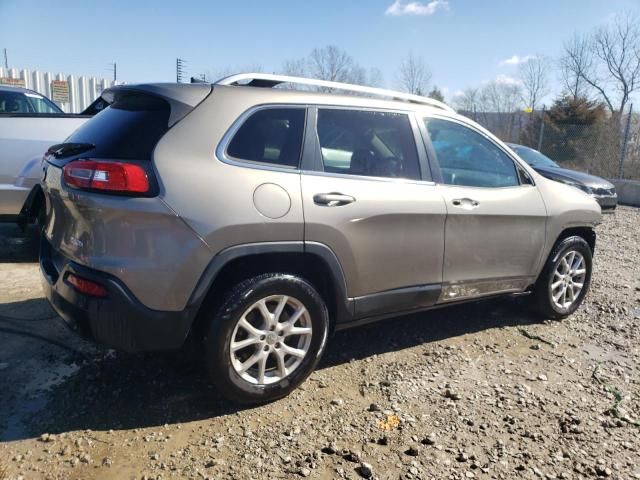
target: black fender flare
<point>344,304</point>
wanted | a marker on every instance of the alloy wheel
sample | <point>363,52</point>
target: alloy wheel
<point>271,339</point>
<point>568,280</point>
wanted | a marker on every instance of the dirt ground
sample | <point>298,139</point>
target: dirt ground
<point>478,391</point>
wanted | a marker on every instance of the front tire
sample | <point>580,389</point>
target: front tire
<point>266,338</point>
<point>565,279</point>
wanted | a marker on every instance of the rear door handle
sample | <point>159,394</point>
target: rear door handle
<point>466,203</point>
<point>332,199</point>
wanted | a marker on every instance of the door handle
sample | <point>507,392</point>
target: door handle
<point>332,199</point>
<point>466,203</point>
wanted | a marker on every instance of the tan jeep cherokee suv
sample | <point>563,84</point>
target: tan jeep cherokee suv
<point>258,219</point>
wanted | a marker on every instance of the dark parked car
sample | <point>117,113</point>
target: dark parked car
<point>601,190</point>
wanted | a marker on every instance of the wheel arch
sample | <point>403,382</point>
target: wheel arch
<point>540,290</point>
<point>585,232</point>
<point>312,261</point>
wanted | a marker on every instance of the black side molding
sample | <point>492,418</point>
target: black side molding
<point>397,300</point>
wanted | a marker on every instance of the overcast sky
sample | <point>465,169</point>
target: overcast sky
<point>464,42</point>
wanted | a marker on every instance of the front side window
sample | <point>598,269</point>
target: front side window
<point>467,158</point>
<point>369,143</point>
<point>271,135</point>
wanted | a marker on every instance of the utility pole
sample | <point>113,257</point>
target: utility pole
<point>6,61</point>
<point>625,140</point>
<point>113,68</point>
<point>179,69</point>
<point>541,136</point>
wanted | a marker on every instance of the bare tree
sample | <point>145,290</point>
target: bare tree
<point>534,75</point>
<point>467,100</point>
<point>608,61</point>
<point>414,76</point>
<point>617,47</point>
<point>500,97</point>
<point>375,78</point>
<point>296,67</point>
<point>332,64</point>
<point>575,64</point>
<point>497,103</point>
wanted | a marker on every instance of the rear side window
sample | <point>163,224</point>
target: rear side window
<point>369,143</point>
<point>271,135</point>
<point>128,129</point>
<point>467,158</point>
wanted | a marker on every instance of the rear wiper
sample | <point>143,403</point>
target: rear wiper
<point>62,150</point>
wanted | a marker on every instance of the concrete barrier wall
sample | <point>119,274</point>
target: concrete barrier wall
<point>628,192</point>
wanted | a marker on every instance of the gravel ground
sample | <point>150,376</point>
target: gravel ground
<point>477,391</point>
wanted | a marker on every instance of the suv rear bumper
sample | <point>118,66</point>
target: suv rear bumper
<point>116,321</point>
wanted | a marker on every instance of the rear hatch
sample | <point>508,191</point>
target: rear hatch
<point>129,128</point>
<point>101,190</point>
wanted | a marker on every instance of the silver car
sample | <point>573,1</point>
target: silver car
<point>257,220</point>
<point>29,123</point>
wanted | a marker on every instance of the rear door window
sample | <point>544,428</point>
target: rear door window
<point>272,136</point>
<point>369,143</point>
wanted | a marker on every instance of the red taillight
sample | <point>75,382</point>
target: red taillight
<point>117,177</point>
<point>86,286</point>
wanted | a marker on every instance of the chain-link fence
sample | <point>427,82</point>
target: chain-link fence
<point>608,148</point>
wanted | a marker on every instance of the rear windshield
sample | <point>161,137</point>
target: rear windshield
<point>128,129</point>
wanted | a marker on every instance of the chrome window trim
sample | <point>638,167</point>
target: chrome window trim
<point>473,186</point>
<point>319,173</point>
<point>402,111</point>
<point>221,150</point>
<point>517,162</point>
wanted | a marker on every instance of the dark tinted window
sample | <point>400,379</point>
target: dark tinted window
<point>468,158</point>
<point>378,144</point>
<point>128,129</point>
<point>271,135</point>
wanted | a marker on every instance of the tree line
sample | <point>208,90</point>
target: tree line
<point>600,67</point>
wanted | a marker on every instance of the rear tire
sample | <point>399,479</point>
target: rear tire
<point>565,279</point>
<point>266,338</point>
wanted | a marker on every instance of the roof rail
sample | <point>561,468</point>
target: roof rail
<point>270,80</point>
